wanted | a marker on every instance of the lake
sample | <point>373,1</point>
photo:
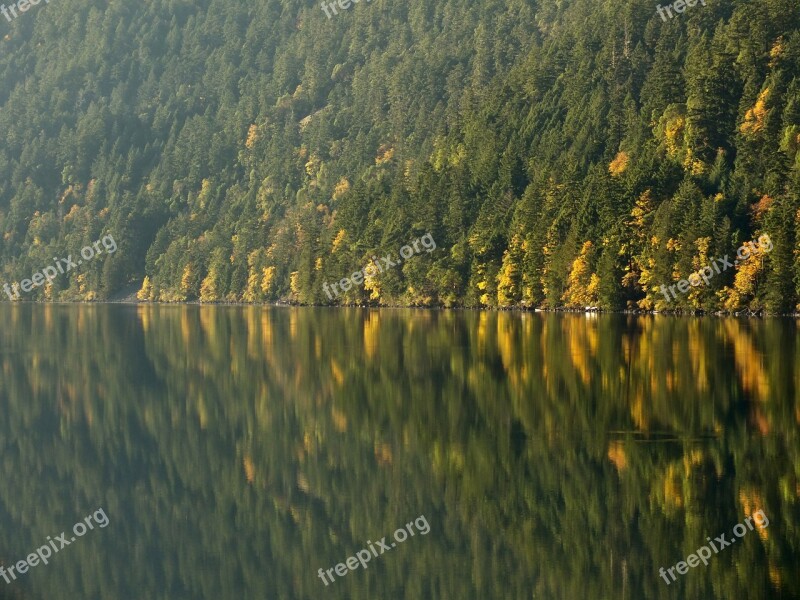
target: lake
<point>245,452</point>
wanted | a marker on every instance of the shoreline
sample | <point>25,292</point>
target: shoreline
<point>521,309</point>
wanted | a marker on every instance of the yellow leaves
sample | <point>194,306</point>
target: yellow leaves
<point>249,294</point>
<point>581,284</point>
<point>762,206</point>
<point>506,282</point>
<point>752,503</point>
<point>372,337</point>
<point>744,283</point>
<point>640,211</point>
<point>594,285</point>
<point>294,282</point>
<point>619,164</point>
<point>702,244</point>
<point>312,165</point>
<point>578,335</point>
<point>341,188</point>
<point>754,117</point>
<point>147,290</point>
<point>700,260</point>
<point>697,167</point>
<point>318,264</point>
<point>249,468</point>
<point>695,458</point>
<point>337,373</point>
<point>337,241</point>
<point>509,276</point>
<point>673,133</point>
<point>267,278</point>
<point>385,154</point>
<point>638,413</point>
<point>372,285</point>
<point>252,137</point>
<point>776,52</point>
<point>750,367</point>
<point>186,280</point>
<point>73,212</point>
<point>673,245</point>
<point>616,454</point>
<point>675,130</point>
<point>208,289</point>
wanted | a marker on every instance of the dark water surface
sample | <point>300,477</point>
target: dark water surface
<point>236,451</point>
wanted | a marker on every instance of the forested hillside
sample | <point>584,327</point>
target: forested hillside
<point>560,152</point>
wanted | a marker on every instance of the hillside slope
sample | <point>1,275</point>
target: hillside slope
<point>560,153</point>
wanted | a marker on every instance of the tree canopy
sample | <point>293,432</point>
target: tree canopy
<point>560,153</point>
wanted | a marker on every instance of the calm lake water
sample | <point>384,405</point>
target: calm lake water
<point>238,450</point>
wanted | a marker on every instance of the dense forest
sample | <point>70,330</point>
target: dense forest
<point>560,152</point>
<point>237,451</point>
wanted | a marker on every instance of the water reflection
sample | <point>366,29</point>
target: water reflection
<point>238,450</point>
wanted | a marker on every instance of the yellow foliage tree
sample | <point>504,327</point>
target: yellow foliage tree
<point>754,118</point>
<point>251,290</point>
<point>267,279</point>
<point>312,165</point>
<point>253,277</point>
<point>744,284</point>
<point>147,290</point>
<point>619,164</point>
<point>673,134</point>
<point>699,260</point>
<point>252,136</point>
<point>294,283</point>
<point>337,241</point>
<point>341,188</point>
<point>508,279</point>
<point>186,281</point>
<point>372,285</point>
<point>385,154</point>
<point>208,289</point>
<point>581,284</point>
